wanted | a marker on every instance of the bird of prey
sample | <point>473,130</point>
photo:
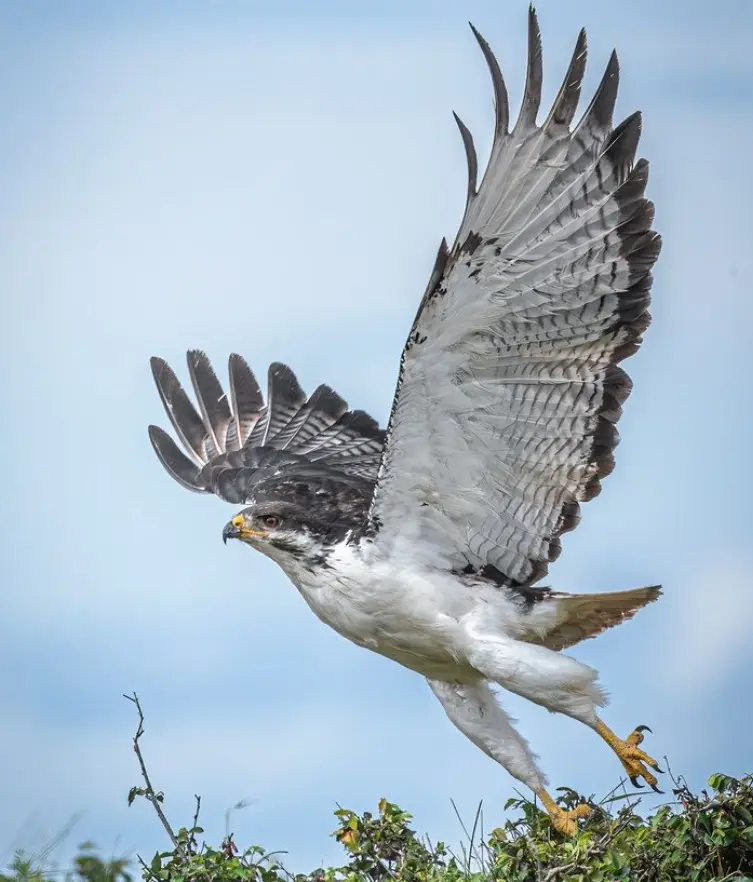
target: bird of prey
<point>424,542</point>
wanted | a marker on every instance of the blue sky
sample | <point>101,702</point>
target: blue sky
<point>276,183</point>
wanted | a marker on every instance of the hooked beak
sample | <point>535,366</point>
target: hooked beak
<point>237,529</point>
<point>230,531</point>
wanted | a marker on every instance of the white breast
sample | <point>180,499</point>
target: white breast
<point>413,615</point>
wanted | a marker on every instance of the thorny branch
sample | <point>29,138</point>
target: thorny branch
<point>149,792</point>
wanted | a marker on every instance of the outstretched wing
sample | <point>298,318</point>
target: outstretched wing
<point>228,437</point>
<point>509,390</point>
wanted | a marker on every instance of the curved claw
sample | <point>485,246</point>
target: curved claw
<point>635,761</point>
<point>656,789</point>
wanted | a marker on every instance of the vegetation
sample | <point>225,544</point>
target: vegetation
<point>693,838</point>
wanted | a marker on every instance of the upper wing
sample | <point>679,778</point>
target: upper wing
<point>509,390</point>
<point>227,440</point>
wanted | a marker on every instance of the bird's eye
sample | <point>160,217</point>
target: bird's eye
<point>270,521</point>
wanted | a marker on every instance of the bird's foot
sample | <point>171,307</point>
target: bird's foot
<point>564,821</point>
<point>635,761</point>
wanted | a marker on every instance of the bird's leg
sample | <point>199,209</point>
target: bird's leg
<point>634,760</point>
<point>564,821</point>
<point>473,708</point>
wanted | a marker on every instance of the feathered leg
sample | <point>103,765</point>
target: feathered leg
<point>560,684</point>
<point>474,709</point>
<point>555,681</point>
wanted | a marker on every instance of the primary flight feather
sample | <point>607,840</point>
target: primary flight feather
<point>424,542</point>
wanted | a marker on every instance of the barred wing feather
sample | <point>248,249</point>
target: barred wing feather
<point>509,390</point>
<point>228,439</point>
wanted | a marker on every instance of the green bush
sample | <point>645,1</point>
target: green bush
<point>693,838</point>
<point>697,838</point>
<point>88,866</point>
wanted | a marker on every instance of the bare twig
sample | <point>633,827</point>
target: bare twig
<point>192,843</point>
<point>150,792</point>
<point>196,813</point>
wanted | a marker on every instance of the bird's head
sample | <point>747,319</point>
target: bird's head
<point>298,517</point>
<point>261,527</point>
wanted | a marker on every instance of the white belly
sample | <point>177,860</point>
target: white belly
<point>413,615</point>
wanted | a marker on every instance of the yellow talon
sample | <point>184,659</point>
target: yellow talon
<point>564,821</point>
<point>634,760</point>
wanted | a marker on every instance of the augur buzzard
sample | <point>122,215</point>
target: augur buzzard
<point>424,542</point>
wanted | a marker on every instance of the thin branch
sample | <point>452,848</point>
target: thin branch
<point>147,871</point>
<point>192,843</point>
<point>196,813</point>
<point>150,794</point>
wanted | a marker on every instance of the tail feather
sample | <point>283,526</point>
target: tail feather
<point>581,616</point>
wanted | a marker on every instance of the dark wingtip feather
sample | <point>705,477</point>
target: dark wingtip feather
<point>213,403</point>
<point>245,397</point>
<point>600,111</point>
<point>175,462</point>
<point>566,102</point>
<point>327,401</point>
<point>622,144</point>
<point>282,381</point>
<point>501,100</point>
<point>362,423</point>
<point>534,75</point>
<point>159,367</point>
<point>470,155</point>
<point>284,398</point>
<point>180,411</point>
